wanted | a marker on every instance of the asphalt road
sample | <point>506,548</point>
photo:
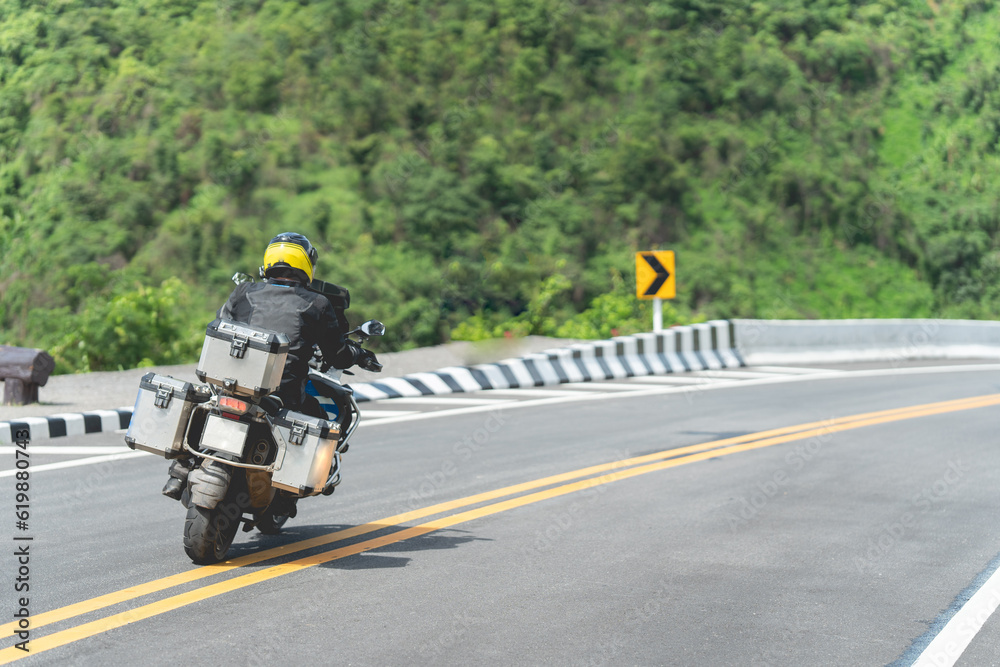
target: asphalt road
<point>842,543</point>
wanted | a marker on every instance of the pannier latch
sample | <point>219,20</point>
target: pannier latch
<point>298,434</point>
<point>238,348</point>
<point>163,396</point>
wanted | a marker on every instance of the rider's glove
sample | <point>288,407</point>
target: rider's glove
<point>316,361</point>
<point>368,361</point>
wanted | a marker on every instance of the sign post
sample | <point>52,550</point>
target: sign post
<point>655,279</point>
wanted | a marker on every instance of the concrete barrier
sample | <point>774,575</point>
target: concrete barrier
<point>779,342</point>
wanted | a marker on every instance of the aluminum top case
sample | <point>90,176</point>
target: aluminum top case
<point>309,445</point>
<point>161,414</point>
<point>241,359</point>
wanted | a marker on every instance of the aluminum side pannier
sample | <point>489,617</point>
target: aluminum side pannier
<point>309,445</point>
<point>241,359</point>
<point>161,414</point>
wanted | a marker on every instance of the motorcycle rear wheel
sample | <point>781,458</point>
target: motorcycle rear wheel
<point>208,533</point>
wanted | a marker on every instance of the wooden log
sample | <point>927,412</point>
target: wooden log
<point>19,392</point>
<point>23,371</point>
<point>25,364</point>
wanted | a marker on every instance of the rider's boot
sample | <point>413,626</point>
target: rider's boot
<point>174,487</point>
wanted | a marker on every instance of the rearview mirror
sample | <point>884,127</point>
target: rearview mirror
<point>373,328</point>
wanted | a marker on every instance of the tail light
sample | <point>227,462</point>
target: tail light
<point>233,406</point>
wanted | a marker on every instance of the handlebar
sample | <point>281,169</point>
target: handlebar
<point>371,364</point>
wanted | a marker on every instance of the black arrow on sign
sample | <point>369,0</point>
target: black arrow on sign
<point>661,274</point>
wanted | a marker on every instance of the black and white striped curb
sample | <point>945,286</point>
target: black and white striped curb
<point>707,346</point>
<point>55,426</point>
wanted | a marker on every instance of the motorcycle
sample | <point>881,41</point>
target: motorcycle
<point>241,456</point>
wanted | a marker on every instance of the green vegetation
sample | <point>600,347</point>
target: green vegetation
<point>474,168</point>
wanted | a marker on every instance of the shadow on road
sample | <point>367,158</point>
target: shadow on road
<point>377,557</point>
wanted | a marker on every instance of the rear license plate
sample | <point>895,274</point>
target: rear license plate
<point>225,435</point>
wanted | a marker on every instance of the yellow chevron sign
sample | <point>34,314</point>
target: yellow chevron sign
<point>654,275</point>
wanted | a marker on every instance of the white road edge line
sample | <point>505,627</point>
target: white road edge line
<point>76,462</point>
<point>790,370</point>
<point>731,375</point>
<point>375,414</point>
<point>445,398</point>
<point>949,645</point>
<point>596,386</point>
<point>66,450</point>
<point>674,380</point>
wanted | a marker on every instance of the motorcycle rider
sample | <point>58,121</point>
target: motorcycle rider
<point>284,304</point>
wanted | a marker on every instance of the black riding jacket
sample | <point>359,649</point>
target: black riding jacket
<point>306,317</point>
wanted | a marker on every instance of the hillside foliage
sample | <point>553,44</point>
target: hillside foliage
<point>480,168</point>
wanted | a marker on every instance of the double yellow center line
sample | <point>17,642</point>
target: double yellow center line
<point>559,485</point>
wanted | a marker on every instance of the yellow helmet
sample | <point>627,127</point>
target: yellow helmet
<point>290,251</point>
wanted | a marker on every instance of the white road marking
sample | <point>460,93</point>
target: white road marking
<point>673,379</point>
<point>535,392</point>
<point>375,414</point>
<point>792,370</point>
<point>77,462</point>
<point>448,398</point>
<point>949,645</point>
<point>732,375</point>
<point>598,386</point>
<point>67,450</point>
<point>372,422</point>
